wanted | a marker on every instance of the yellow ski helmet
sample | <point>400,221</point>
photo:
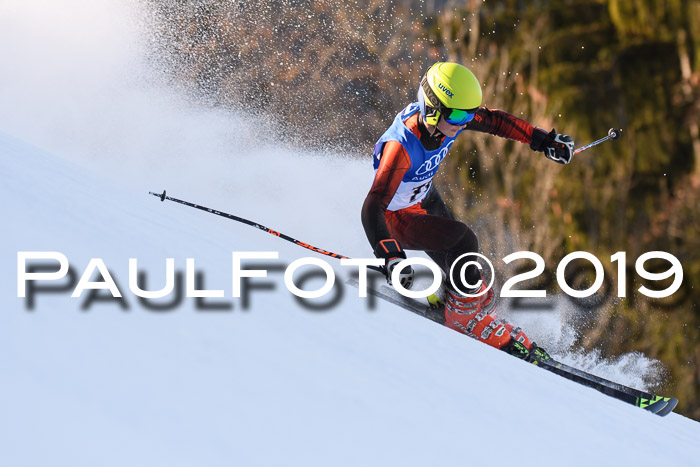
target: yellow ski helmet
<point>451,91</point>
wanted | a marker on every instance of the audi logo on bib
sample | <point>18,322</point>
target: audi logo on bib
<point>434,162</point>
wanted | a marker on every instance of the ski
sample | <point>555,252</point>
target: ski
<point>658,405</point>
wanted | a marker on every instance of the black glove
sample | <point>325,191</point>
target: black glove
<point>557,147</point>
<point>390,250</point>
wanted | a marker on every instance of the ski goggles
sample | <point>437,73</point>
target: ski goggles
<point>457,116</point>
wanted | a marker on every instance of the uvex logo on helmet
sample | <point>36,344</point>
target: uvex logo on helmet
<point>445,90</point>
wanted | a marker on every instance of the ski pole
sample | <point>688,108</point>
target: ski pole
<point>613,134</point>
<point>163,197</point>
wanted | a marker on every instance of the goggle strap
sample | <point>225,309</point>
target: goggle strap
<point>432,98</point>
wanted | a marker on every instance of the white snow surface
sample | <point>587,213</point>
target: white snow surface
<point>85,133</point>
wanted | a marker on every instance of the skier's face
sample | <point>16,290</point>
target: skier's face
<point>447,129</point>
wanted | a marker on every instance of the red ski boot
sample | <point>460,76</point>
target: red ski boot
<point>475,317</point>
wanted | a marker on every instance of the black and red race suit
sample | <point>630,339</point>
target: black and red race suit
<point>427,225</point>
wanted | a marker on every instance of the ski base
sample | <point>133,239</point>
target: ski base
<point>658,405</point>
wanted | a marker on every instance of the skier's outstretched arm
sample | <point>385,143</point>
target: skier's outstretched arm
<point>500,123</point>
<point>557,147</point>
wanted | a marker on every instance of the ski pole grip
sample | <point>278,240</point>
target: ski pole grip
<point>614,133</point>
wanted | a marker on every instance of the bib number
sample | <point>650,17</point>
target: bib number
<point>419,190</point>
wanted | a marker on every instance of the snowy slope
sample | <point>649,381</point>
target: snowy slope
<point>274,385</point>
<point>85,133</point>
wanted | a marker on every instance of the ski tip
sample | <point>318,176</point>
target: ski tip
<point>658,405</point>
<point>671,404</point>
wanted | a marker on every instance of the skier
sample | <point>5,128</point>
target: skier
<point>403,209</point>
